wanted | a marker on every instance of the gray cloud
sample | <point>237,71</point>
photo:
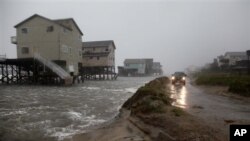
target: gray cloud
<point>176,33</point>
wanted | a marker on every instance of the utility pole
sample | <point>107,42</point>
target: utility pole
<point>248,61</point>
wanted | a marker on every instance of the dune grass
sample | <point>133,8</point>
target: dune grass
<point>239,84</point>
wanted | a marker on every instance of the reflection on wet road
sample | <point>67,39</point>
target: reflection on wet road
<point>179,94</point>
<point>214,108</point>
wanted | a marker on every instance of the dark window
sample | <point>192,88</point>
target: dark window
<point>25,50</point>
<point>24,30</point>
<point>70,50</point>
<point>93,49</point>
<point>106,49</point>
<point>98,58</point>
<point>50,29</point>
<point>90,57</point>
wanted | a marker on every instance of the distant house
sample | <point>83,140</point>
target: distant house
<point>98,60</point>
<point>98,53</point>
<point>57,40</point>
<point>233,57</point>
<point>222,61</point>
<point>137,67</point>
<point>157,68</point>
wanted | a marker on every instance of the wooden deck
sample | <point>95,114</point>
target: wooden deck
<point>30,71</point>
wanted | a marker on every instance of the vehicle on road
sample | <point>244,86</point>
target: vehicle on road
<point>178,78</point>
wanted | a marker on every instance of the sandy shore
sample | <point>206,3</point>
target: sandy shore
<point>121,129</point>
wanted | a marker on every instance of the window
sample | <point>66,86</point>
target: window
<point>24,30</point>
<point>70,50</point>
<point>93,49</point>
<point>80,53</point>
<point>98,58</point>
<point>50,29</point>
<point>90,57</point>
<point>106,49</point>
<point>64,30</point>
<point>25,50</point>
<point>64,49</point>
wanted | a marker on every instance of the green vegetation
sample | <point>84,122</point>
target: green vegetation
<point>213,79</point>
<point>239,84</point>
<point>150,98</point>
<point>178,111</point>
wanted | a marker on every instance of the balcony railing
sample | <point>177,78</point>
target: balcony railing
<point>13,40</point>
<point>85,54</point>
<point>2,57</point>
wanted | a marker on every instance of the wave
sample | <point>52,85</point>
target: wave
<point>91,88</point>
<point>131,90</point>
<point>74,115</point>
<point>114,90</point>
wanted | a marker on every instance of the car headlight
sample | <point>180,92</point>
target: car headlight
<point>183,78</point>
<point>172,77</point>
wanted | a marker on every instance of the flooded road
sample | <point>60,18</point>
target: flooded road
<point>217,110</point>
<point>53,113</point>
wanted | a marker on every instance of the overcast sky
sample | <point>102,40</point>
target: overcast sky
<point>177,33</point>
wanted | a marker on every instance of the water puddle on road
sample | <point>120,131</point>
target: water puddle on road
<point>179,93</point>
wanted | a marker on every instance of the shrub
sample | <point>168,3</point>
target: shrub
<point>178,111</point>
<point>237,84</point>
<point>240,87</point>
<point>150,98</point>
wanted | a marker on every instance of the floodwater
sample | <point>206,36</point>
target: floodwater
<point>54,112</point>
<point>213,108</point>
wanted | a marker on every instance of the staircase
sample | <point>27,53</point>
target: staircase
<point>68,80</point>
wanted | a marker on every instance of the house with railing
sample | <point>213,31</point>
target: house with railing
<point>57,40</point>
<point>98,60</point>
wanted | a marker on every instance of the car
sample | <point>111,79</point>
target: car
<point>178,77</point>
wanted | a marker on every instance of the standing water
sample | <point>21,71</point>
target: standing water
<point>54,112</point>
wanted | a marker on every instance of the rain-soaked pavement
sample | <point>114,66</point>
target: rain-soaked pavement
<point>217,110</point>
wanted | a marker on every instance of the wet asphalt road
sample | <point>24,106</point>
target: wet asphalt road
<point>217,110</point>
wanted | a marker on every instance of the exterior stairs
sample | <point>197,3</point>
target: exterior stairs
<point>59,71</point>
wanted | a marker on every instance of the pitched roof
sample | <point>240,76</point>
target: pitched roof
<point>98,43</point>
<point>236,53</point>
<point>61,22</point>
<point>53,21</point>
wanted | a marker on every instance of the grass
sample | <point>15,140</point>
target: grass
<point>239,84</point>
<point>178,111</point>
<point>150,98</point>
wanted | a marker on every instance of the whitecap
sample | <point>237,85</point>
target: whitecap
<point>74,115</point>
<point>62,133</point>
<point>131,90</point>
<point>18,112</point>
<point>91,88</point>
<point>114,90</point>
